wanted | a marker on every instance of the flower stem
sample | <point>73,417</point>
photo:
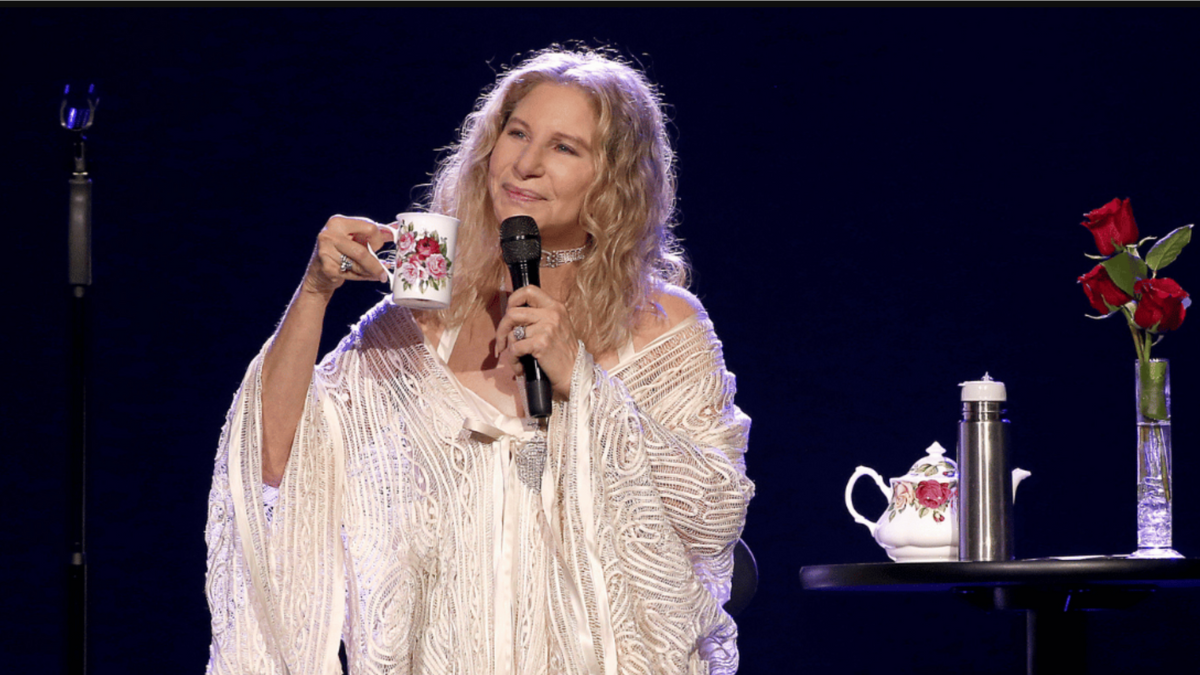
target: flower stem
<point>1140,345</point>
<point>1164,463</point>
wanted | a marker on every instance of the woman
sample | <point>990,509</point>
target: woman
<point>418,515</point>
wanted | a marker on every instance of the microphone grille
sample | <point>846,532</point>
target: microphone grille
<point>520,241</point>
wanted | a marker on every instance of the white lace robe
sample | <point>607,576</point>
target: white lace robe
<point>430,548</point>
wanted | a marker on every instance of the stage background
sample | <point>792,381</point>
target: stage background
<point>879,202</point>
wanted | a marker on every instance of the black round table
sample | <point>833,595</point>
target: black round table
<point>1053,592</point>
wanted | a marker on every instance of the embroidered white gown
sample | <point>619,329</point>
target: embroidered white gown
<point>435,535</point>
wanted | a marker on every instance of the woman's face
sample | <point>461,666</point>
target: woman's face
<point>542,164</point>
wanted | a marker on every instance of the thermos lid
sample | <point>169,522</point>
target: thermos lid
<point>985,389</point>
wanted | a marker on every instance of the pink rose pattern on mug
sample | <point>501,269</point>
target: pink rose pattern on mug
<point>421,260</point>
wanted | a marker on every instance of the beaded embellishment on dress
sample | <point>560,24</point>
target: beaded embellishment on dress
<point>531,461</point>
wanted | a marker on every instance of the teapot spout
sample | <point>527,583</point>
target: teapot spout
<point>1018,475</point>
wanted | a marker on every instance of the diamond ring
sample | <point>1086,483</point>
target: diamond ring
<point>519,333</point>
<point>347,263</point>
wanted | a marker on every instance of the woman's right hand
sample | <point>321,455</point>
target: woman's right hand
<point>288,365</point>
<point>355,238</point>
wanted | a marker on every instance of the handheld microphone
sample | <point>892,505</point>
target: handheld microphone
<point>521,248</point>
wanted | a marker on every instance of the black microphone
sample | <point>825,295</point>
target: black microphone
<point>521,248</point>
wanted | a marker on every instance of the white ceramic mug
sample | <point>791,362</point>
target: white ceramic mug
<point>424,265</point>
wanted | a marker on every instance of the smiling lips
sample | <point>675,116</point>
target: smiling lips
<point>518,195</point>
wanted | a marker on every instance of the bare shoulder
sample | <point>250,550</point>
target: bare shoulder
<point>678,304</point>
<point>671,306</point>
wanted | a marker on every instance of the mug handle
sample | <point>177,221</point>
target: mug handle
<point>859,473</point>
<point>391,270</point>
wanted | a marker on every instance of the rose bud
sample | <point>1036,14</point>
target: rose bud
<point>1161,302</point>
<point>1099,288</point>
<point>1112,222</point>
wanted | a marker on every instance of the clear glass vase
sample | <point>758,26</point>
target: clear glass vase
<point>1154,489</point>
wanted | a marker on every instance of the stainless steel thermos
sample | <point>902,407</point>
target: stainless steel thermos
<point>985,490</point>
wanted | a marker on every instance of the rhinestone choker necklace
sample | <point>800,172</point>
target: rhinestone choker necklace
<point>569,255</point>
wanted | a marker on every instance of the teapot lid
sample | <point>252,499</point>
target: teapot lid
<point>934,465</point>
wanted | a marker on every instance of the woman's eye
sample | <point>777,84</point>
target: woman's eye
<point>516,133</point>
<point>563,147</point>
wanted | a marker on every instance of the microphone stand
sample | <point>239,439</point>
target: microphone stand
<point>79,248</point>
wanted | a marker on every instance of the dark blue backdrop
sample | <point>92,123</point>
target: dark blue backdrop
<point>880,203</point>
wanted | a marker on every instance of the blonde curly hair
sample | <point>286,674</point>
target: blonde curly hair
<point>627,212</point>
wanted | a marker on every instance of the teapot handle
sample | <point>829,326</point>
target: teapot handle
<point>859,473</point>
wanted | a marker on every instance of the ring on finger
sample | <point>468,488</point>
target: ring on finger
<point>347,263</point>
<point>519,333</point>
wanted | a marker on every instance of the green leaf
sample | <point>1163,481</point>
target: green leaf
<point>1167,249</point>
<point>1125,270</point>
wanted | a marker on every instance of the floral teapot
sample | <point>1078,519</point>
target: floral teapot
<point>921,521</point>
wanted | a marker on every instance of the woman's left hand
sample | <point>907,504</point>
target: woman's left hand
<point>549,337</point>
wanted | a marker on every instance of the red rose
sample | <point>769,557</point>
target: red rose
<point>932,494</point>
<point>426,247</point>
<point>1162,302</point>
<point>1099,288</point>
<point>1112,222</point>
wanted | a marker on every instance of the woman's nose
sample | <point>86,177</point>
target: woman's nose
<point>529,162</point>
